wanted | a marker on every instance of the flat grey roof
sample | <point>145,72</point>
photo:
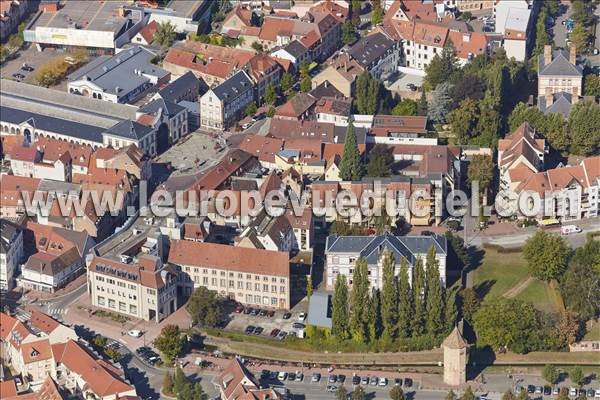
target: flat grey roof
<point>93,15</point>
<point>185,8</point>
<point>319,310</point>
<point>63,105</point>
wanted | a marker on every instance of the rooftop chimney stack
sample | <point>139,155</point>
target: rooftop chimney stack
<point>549,100</point>
<point>547,54</point>
<point>573,55</point>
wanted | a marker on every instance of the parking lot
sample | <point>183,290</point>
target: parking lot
<point>280,321</point>
<point>29,56</point>
<point>402,82</point>
<point>194,153</point>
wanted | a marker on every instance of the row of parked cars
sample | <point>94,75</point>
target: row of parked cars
<point>333,379</point>
<point>275,333</point>
<point>547,391</point>
<point>24,69</point>
<point>148,355</point>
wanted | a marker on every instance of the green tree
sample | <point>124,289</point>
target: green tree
<point>305,84</point>
<point>341,393</point>
<point>396,393</point>
<point>257,46</point>
<point>374,315</point>
<point>591,85</point>
<point>507,322</point>
<point>441,103</point>
<point>376,13</point>
<point>309,287</point>
<point>389,297</point>
<point>553,126</point>
<point>579,285</point>
<point>488,124</point>
<point>584,120</point>
<point>468,394</point>
<point>270,95</point>
<point>523,395</point>
<point>422,105</point>
<point>463,120</point>
<point>167,386</point>
<point>434,295</point>
<point>359,392</point>
<point>418,289</point>
<point>481,169</point>
<point>563,394</point>
<point>350,165</point>
<point>381,158</point>
<point>348,33</point>
<point>546,255</point>
<point>580,38</point>
<point>466,16</point>
<point>508,395</point>
<point>339,313</point>
<point>170,342</point>
<point>3,52</point>
<point>469,303</point>
<point>405,107</point>
<point>359,301</point>
<point>405,300</point>
<point>165,34</point>
<point>271,112</point>
<point>355,9</point>
<point>205,307</point>
<point>179,381</point>
<point>576,375</point>
<point>451,395</point>
<point>441,67</point>
<point>450,308</point>
<point>186,392</point>
<point>550,373</point>
<point>541,35</point>
<point>15,41</point>
<point>287,81</point>
<point>198,392</point>
<point>251,109</point>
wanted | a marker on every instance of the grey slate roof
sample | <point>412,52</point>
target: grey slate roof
<point>560,65</point>
<point>340,132</point>
<point>561,104</point>
<point>370,48</point>
<point>179,87</point>
<point>167,106</point>
<point>371,247</point>
<point>319,310</point>
<point>295,48</point>
<point>8,230</point>
<point>52,124</point>
<point>129,130</point>
<point>118,75</point>
<point>233,87</point>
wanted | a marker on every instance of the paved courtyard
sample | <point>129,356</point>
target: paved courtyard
<point>196,152</point>
<point>400,85</point>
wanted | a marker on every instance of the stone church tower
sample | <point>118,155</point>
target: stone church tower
<point>455,358</point>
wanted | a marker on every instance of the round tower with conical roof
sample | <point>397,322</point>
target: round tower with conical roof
<point>455,358</point>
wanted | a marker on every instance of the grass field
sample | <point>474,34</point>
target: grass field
<point>498,273</point>
<point>501,272</point>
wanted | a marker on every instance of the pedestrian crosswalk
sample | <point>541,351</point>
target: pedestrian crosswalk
<point>57,311</point>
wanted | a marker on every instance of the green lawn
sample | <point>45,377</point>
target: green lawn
<point>593,331</point>
<point>499,272</point>
<point>538,293</point>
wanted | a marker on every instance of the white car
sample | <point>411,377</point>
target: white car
<point>282,376</point>
<point>135,333</point>
<point>246,125</point>
<point>383,381</point>
<point>597,394</point>
<point>301,316</point>
<point>573,392</point>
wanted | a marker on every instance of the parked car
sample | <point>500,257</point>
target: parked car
<point>258,330</point>
<point>539,390</point>
<point>248,310</point>
<point>301,316</point>
<point>287,315</point>
<point>398,381</point>
<point>246,125</point>
<point>27,68</point>
<point>274,332</point>
<point>262,313</point>
<point>273,375</point>
<point>356,380</point>
<point>530,389</point>
<point>270,313</point>
<point>373,381</point>
<point>331,388</point>
<point>18,76</point>
<point>332,379</point>
<point>547,390</point>
<point>254,312</point>
<point>250,329</point>
<point>299,377</point>
<point>282,376</point>
<point>298,325</point>
<point>597,395</point>
<point>383,381</point>
<point>408,382</point>
<point>316,377</point>
<point>591,393</point>
<point>572,391</point>
<point>291,377</point>
<point>281,335</point>
<point>239,308</point>
<point>135,333</point>
<point>341,379</point>
<point>556,390</point>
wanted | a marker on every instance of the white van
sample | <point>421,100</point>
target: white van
<point>569,229</point>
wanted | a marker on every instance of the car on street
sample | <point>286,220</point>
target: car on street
<point>298,325</point>
<point>282,376</point>
<point>262,313</point>
<point>287,315</point>
<point>316,377</point>
<point>332,379</point>
<point>331,388</point>
<point>246,125</point>
<point>291,377</point>
<point>597,395</point>
<point>398,381</point>
<point>408,382</point>
<point>356,380</point>
<point>27,68</point>
<point>539,390</point>
<point>383,381</point>
<point>274,332</point>
<point>135,333</point>
<point>142,350</point>
<point>299,377</point>
<point>281,335</point>
<point>254,312</point>
<point>239,308</point>
<point>249,329</point>
<point>301,316</point>
<point>18,76</point>
<point>258,330</point>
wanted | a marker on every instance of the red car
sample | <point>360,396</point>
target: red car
<point>274,332</point>
<point>270,313</point>
<point>239,308</point>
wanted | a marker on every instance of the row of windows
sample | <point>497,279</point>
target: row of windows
<point>264,300</point>
<point>122,306</point>
<point>257,287</point>
<point>240,275</point>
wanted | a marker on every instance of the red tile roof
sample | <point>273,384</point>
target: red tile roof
<point>262,147</point>
<point>149,31</point>
<point>225,257</point>
<point>36,351</point>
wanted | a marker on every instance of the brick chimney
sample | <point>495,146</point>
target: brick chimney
<point>547,54</point>
<point>573,55</point>
<point>549,100</point>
